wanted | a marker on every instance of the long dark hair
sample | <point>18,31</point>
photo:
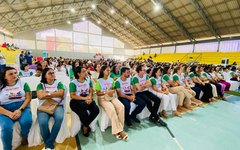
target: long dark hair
<point>44,72</point>
<point>155,70</point>
<point>76,71</point>
<point>3,81</point>
<point>139,68</point>
<point>23,66</point>
<point>101,74</point>
<point>114,69</point>
<point>193,69</point>
<point>176,70</point>
<point>165,69</point>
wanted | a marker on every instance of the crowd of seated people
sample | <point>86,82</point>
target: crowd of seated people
<point>158,86</point>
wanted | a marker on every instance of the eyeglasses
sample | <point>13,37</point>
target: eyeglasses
<point>51,73</point>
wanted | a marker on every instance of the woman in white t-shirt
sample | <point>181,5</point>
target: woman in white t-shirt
<point>15,96</point>
<point>50,88</point>
<point>25,71</point>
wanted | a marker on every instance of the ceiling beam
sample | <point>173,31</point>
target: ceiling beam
<point>110,6</point>
<point>44,24</point>
<point>51,8</point>
<point>115,31</point>
<point>174,20</point>
<point>77,17</point>
<point>205,18</point>
<point>114,21</point>
<point>55,13</point>
<point>9,5</point>
<point>147,19</point>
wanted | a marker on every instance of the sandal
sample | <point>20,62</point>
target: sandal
<point>125,138</point>
<point>197,104</point>
<point>118,137</point>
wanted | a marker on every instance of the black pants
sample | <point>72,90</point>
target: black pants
<point>207,91</point>
<point>197,90</point>
<point>81,109</point>
<point>148,97</point>
<point>127,104</point>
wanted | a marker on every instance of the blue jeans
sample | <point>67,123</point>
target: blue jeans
<point>6,124</point>
<point>140,106</point>
<point>43,119</point>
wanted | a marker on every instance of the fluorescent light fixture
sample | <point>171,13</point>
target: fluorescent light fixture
<point>83,18</point>
<point>112,11</point>
<point>157,5</point>
<point>93,6</point>
<point>72,10</point>
<point>99,22</point>
<point>68,22</point>
<point>110,30</point>
<point>126,22</point>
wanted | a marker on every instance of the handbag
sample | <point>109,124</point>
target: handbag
<point>49,106</point>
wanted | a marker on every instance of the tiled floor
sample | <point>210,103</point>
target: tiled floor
<point>214,127</point>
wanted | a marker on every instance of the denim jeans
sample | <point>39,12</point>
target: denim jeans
<point>43,119</point>
<point>127,104</point>
<point>6,124</point>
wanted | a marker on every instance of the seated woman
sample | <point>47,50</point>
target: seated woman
<point>179,80</point>
<point>25,72</point>
<point>115,72</point>
<point>205,87</point>
<point>184,96</point>
<point>15,97</point>
<point>189,83</point>
<point>235,76</point>
<point>81,94</point>
<point>159,89</point>
<point>49,88</point>
<point>112,106</point>
<point>220,79</point>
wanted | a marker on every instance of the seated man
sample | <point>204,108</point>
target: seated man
<point>142,83</point>
<point>126,95</point>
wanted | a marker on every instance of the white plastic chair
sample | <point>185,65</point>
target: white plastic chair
<point>234,84</point>
<point>16,141</point>
<point>32,82</point>
<point>65,81</point>
<point>63,133</point>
